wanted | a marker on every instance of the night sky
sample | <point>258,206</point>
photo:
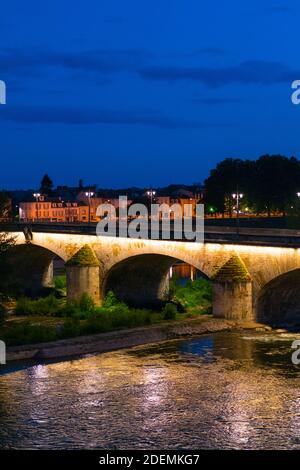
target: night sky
<point>139,92</point>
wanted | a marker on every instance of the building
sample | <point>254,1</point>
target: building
<point>55,209</point>
<point>49,209</point>
<point>94,201</point>
<point>80,204</point>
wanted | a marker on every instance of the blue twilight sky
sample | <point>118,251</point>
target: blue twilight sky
<point>144,92</point>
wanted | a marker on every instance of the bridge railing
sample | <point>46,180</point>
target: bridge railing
<point>251,236</point>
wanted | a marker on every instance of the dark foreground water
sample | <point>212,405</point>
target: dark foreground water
<point>227,390</point>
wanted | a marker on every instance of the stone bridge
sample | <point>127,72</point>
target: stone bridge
<point>249,282</point>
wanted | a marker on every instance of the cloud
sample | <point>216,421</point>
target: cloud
<point>249,72</point>
<point>85,116</point>
<point>202,51</point>
<point>104,61</point>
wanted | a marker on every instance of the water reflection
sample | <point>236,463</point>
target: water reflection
<point>227,390</point>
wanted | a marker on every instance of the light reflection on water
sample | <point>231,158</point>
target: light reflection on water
<point>227,390</point>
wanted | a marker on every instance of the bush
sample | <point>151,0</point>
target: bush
<point>196,293</point>
<point>70,309</point>
<point>99,322</point>
<point>70,328</point>
<point>3,314</point>
<point>169,311</point>
<point>23,306</point>
<point>60,286</point>
<point>60,282</point>
<point>110,300</point>
<point>28,333</point>
<point>45,306</point>
<point>86,303</point>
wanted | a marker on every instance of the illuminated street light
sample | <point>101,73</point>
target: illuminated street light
<point>37,195</point>
<point>237,196</point>
<point>151,194</point>
<point>89,194</point>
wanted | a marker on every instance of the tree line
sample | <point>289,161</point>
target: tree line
<point>268,184</point>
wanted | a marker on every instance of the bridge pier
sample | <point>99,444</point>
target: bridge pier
<point>83,276</point>
<point>232,291</point>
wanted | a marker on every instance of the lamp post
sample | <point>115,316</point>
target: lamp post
<point>237,196</point>
<point>89,194</point>
<point>298,195</point>
<point>151,194</point>
<point>36,195</point>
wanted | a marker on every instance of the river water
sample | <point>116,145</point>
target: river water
<point>226,390</point>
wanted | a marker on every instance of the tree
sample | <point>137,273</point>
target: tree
<point>5,206</point>
<point>268,184</point>
<point>229,176</point>
<point>7,242</point>
<point>46,185</point>
<point>277,182</point>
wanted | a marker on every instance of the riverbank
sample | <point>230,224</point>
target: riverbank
<point>104,342</point>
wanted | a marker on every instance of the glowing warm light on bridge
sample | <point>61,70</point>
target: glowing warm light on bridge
<point>65,245</point>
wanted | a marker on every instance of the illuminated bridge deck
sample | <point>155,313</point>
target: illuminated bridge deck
<point>212,234</point>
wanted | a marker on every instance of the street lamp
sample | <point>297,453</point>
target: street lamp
<point>89,194</point>
<point>237,197</point>
<point>151,194</point>
<point>36,195</point>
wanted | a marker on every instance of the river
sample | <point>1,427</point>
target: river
<point>229,390</point>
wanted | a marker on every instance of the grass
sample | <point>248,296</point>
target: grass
<point>83,257</point>
<point>52,318</point>
<point>194,297</point>
<point>32,328</point>
<point>60,282</point>
<point>48,306</point>
<point>233,270</point>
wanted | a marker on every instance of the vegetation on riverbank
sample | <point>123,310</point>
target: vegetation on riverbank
<point>193,297</point>
<point>52,318</point>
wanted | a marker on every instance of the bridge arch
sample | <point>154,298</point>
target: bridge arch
<point>141,280</point>
<point>278,302</point>
<point>54,245</point>
<point>30,269</point>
